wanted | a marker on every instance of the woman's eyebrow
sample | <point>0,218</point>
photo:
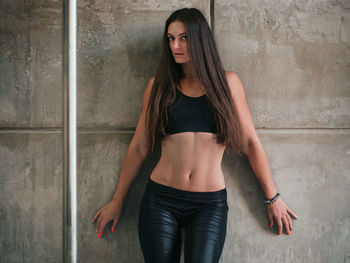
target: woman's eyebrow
<point>184,33</point>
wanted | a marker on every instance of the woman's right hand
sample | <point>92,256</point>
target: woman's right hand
<point>109,212</point>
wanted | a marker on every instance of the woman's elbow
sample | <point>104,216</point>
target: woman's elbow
<point>250,144</point>
<point>143,148</point>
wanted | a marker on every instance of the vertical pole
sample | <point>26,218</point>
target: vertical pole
<point>72,126</point>
<point>70,134</point>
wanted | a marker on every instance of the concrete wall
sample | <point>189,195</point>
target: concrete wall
<point>31,150</point>
<point>293,58</point>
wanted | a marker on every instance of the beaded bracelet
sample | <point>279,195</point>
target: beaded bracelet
<point>273,199</point>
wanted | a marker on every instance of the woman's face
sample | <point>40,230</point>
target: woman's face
<point>177,37</point>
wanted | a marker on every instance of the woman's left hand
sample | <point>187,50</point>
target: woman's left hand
<point>280,211</point>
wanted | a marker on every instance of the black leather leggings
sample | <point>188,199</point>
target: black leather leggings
<point>165,210</point>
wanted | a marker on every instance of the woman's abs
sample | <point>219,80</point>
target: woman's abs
<point>190,168</point>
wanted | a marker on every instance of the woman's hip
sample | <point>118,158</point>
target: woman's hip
<point>183,203</point>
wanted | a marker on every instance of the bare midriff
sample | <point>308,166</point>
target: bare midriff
<point>190,161</point>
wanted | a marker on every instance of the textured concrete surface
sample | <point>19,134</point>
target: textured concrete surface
<point>31,197</point>
<point>30,63</point>
<point>293,59</point>
<point>31,176</point>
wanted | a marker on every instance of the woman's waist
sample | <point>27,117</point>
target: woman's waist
<point>199,179</point>
<point>191,150</point>
<point>190,160</point>
<point>166,191</point>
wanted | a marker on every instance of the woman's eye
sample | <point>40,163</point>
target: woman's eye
<point>184,37</point>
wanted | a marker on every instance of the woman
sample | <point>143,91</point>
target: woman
<point>197,111</point>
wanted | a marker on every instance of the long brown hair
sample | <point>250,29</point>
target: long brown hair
<point>207,69</point>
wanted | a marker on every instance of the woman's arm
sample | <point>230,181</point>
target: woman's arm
<point>253,149</point>
<point>258,161</point>
<point>131,166</point>
<point>136,154</point>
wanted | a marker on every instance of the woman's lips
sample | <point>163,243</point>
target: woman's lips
<point>178,54</point>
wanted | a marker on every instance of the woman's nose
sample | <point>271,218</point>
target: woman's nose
<point>176,43</point>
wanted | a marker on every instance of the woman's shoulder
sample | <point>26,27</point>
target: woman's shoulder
<point>150,84</point>
<point>230,74</point>
<point>234,82</point>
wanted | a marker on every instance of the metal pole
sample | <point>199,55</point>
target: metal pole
<point>72,126</point>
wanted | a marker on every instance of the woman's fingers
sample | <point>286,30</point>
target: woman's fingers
<point>292,213</point>
<point>106,214</point>
<point>286,224</point>
<point>101,228</point>
<point>271,219</point>
<point>281,213</point>
<point>280,225</point>
<point>98,226</point>
<point>114,224</point>
<point>96,215</point>
<point>101,224</point>
<point>290,222</point>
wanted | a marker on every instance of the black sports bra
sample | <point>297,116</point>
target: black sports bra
<point>190,114</point>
